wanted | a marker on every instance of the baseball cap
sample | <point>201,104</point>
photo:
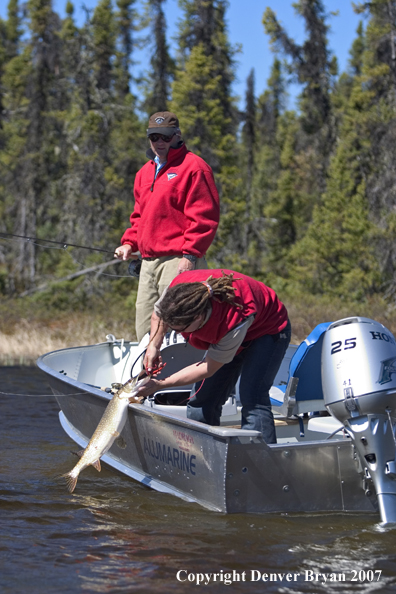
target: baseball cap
<point>163,122</point>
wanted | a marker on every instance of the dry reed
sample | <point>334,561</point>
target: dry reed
<point>23,339</point>
<point>27,340</point>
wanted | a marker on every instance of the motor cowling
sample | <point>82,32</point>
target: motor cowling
<point>359,388</point>
<point>358,368</point>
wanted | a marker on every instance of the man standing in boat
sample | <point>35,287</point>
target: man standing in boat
<point>175,217</point>
<point>244,329</point>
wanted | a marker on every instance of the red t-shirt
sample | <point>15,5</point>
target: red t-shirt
<point>270,315</point>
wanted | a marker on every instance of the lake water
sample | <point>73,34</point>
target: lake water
<point>116,536</point>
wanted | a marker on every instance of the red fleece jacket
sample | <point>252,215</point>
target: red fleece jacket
<point>178,212</point>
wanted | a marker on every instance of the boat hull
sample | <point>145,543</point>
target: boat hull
<point>223,469</point>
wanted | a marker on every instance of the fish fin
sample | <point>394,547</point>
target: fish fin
<point>120,441</point>
<point>136,399</point>
<point>79,454</point>
<point>97,466</point>
<point>116,433</point>
<point>71,481</point>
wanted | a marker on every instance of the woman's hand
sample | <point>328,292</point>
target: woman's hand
<point>148,388</point>
<point>152,358</point>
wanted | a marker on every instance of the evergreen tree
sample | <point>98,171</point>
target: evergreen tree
<point>89,124</point>
<point>378,80</point>
<point>161,73</point>
<point>305,142</point>
<point>348,250</point>
<point>204,104</point>
<point>311,62</point>
<point>313,67</point>
<point>71,47</point>
<point>335,257</point>
<point>249,129</point>
<point>272,103</point>
<point>3,59</point>
<point>10,38</point>
<point>248,157</point>
<point>103,38</point>
<point>307,197</point>
<point>124,29</point>
<point>31,87</point>
<point>106,139</point>
<point>285,207</point>
<point>261,156</point>
<point>10,34</point>
<point>13,29</point>
<point>357,51</point>
<point>204,29</point>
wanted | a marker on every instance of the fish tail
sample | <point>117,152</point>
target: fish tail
<point>71,481</point>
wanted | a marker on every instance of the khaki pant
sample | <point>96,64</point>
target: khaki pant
<point>155,276</point>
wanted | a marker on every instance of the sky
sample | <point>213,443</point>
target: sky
<point>244,21</point>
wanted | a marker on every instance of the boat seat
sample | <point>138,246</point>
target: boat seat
<point>303,392</point>
<point>176,353</point>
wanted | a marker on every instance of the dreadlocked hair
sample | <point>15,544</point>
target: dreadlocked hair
<point>185,302</point>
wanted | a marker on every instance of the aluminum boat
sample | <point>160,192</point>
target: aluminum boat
<point>334,403</point>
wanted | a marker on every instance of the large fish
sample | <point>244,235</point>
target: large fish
<point>109,429</point>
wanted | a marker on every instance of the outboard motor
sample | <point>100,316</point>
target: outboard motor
<point>359,387</point>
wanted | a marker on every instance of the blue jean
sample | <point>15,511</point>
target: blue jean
<point>257,364</point>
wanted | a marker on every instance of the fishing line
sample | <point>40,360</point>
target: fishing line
<point>76,393</point>
<point>137,359</point>
<point>98,273</point>
<point>43,395</point>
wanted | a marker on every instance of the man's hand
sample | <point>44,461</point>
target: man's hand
<point>124,252</point>
<point>184,265</point>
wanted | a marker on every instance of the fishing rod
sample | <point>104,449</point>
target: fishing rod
<point>65,245</point>
<point>133,268</point>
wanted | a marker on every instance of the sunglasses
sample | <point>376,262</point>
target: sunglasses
<point>155,137</point>
<point>180,329</point>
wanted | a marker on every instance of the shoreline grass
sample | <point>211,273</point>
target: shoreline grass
<point>28,330</point>
<point>30,339</point>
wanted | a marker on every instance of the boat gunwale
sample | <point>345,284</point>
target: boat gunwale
<point>90,389</point>
<point>221,432</point>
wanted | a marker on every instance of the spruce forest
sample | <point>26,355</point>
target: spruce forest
<point>308,195</point>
